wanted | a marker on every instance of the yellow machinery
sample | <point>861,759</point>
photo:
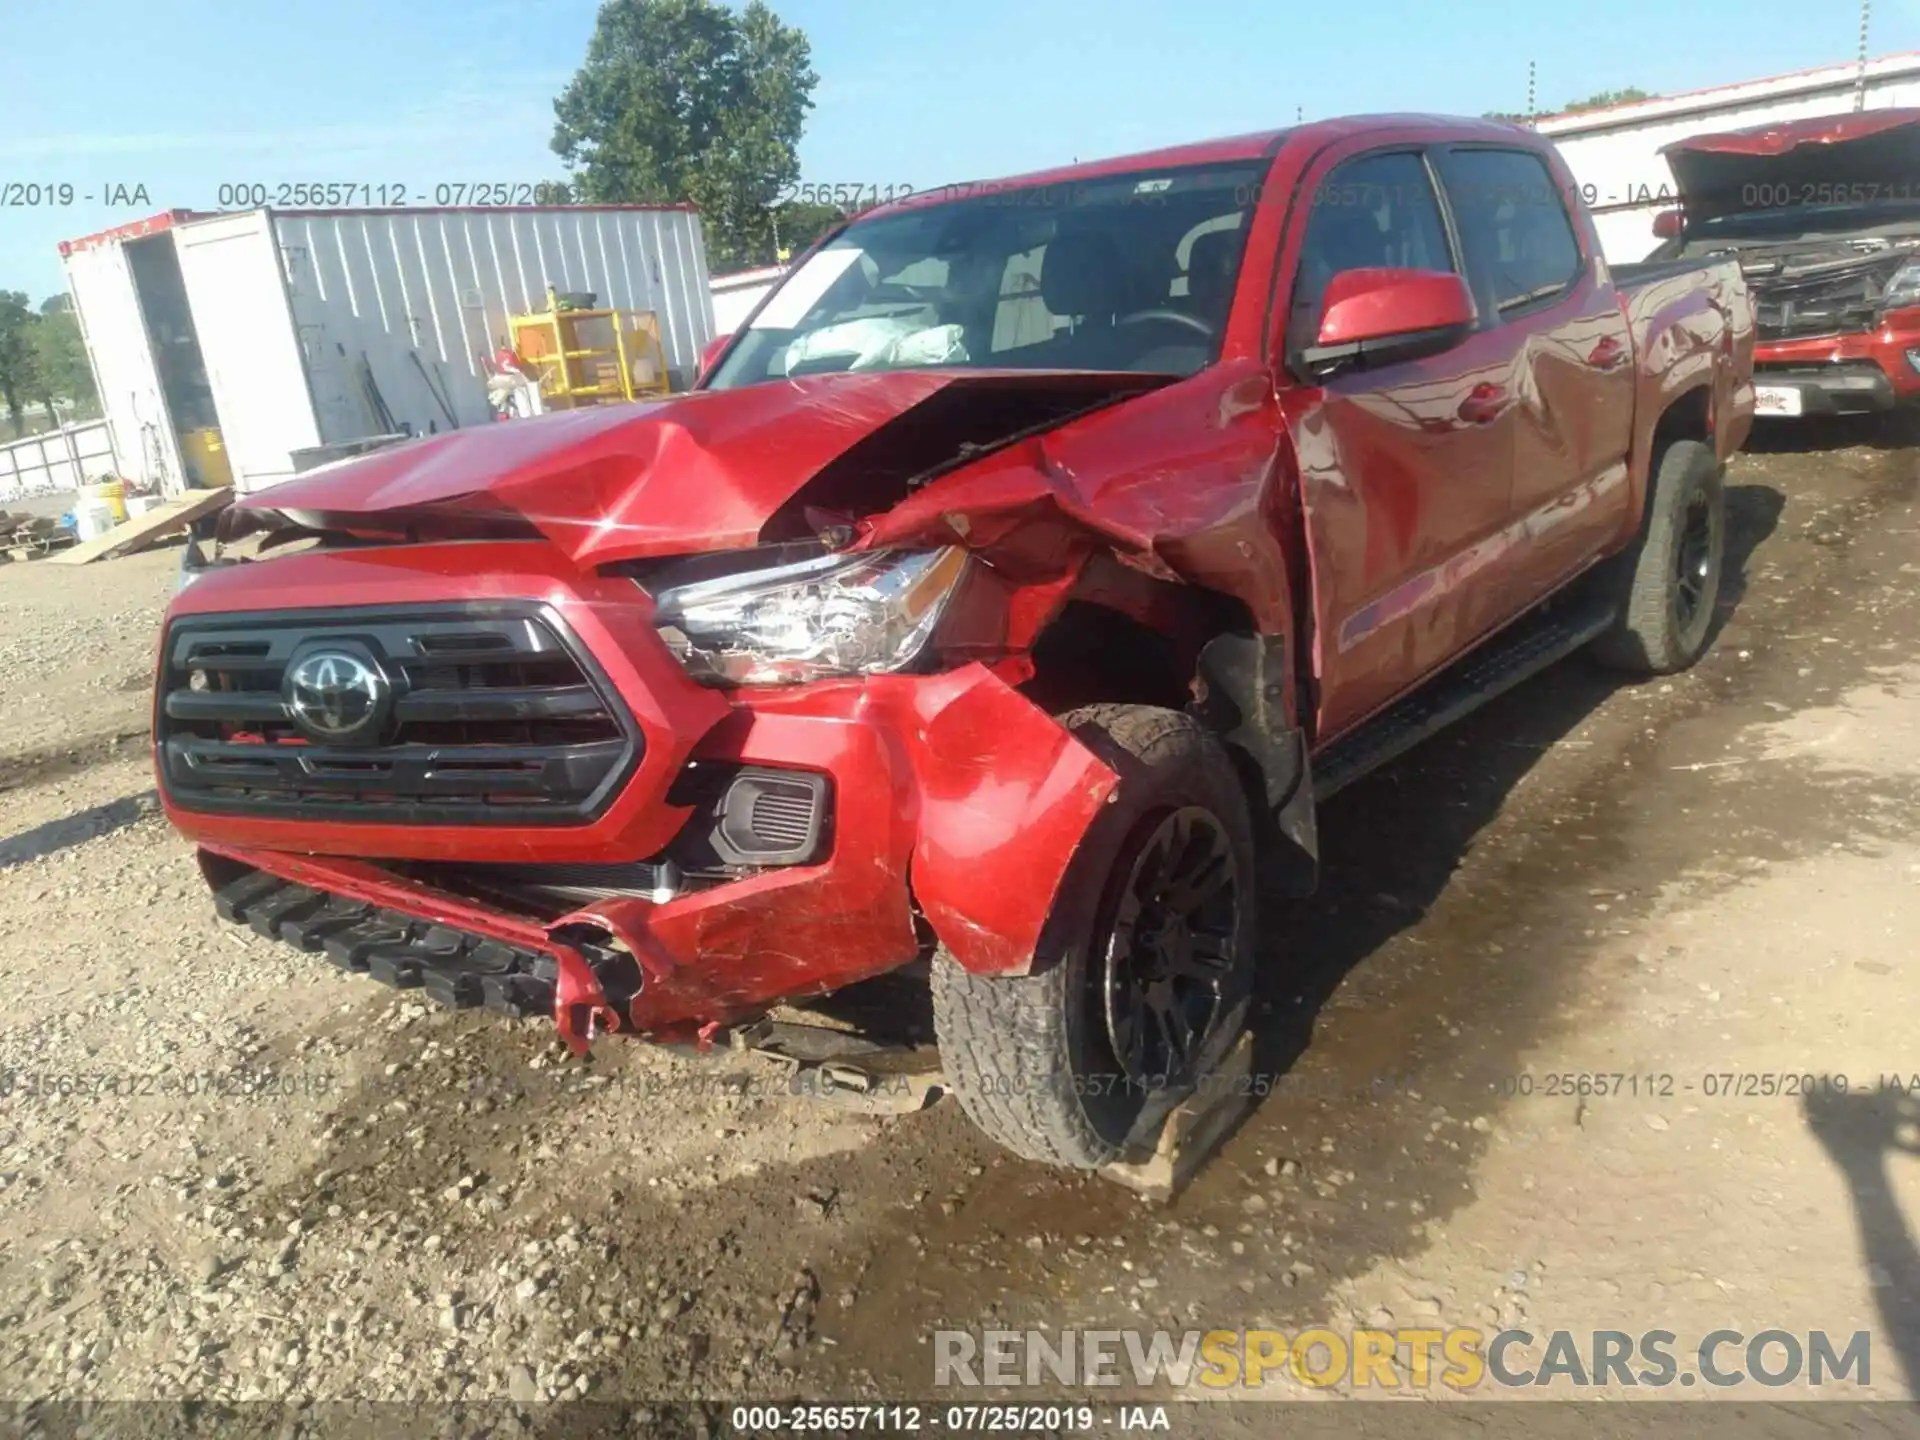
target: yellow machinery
<point>588,357</point>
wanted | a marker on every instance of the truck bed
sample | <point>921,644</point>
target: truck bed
<point>1645,272</point>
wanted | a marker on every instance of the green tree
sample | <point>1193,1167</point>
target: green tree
<point>60,358</point>
<point>17,379</point>
<point>1600,99</point>
<point>687,100</point>
<point>798,223</point>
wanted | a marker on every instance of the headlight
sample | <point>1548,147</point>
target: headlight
<point>865,614</point>
<point>1903,288</point>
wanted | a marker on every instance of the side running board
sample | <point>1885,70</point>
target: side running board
<point>1523,650</point>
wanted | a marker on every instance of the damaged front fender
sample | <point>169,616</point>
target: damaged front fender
<point>1189,483</point>
<point>1005,794</point>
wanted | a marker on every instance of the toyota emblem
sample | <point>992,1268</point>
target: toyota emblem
<point>337,695</point>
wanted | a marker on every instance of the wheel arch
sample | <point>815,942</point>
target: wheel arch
<point>1687,415</point>
<point>1128,639</point>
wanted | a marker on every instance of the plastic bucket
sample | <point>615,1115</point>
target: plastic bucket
<point>113,494</point>
<point>92,518</point>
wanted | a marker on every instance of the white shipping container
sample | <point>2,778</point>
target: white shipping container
<point>1615,153</point>
<point>284,331</point>
<point>107,305</point>
<point>736,295</point>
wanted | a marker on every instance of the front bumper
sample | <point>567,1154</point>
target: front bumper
<point>1844,374</point>
<point>955,799</point>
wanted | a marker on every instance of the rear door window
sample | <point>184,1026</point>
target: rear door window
<point>1519,242</point>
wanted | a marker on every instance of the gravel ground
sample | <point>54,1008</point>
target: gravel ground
<point>229,1173</point>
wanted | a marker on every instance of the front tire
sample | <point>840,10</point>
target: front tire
<point>1141,978</point>
<point>1668,584</point>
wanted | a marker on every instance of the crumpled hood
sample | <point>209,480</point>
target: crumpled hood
<point>696,472</point>
<point>1864,156</point>
<point>703,471</point>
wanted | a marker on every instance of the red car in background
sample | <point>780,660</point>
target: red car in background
<point>1824,217</point>
<point>1025,571</point>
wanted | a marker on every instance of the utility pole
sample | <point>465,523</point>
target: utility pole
<point>1532,76</point>
<point>1860,81</point>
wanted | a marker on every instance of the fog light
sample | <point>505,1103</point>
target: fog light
<point>771,817</point>
<point>1913,361</point>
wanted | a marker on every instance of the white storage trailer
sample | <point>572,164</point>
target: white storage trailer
<point>1615,157</point>
<point>269,340</point>
<point>736,295</point>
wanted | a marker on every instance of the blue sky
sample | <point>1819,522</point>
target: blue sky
<point>185,95</point>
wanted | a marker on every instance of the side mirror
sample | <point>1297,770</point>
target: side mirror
<point>1666,225</point>
<point>712,353</point>
<point>1382,315</point>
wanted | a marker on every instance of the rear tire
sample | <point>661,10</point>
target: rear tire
<point>1668,583</point>
<point>1140,981</point>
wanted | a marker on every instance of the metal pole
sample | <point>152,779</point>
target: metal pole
<point>1532,74</point>
<point>1860,81</point>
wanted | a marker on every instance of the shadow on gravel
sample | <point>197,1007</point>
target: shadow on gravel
<point>56,762</point>
<point>1861,1131</point>
<point>77,828</point>
<point>1894,430</point>
<point>1753,513</point>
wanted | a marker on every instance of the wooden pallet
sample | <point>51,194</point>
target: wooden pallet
<point>143,530</point>
<point>28,537</point>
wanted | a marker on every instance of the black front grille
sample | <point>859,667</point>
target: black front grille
<point>1828,298</point>
<point>1799,319</point>
<point>490,715</point>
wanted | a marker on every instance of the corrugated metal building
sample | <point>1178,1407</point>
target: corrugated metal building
<point>735,295</point>
<point>1615,153</point>
<point>261,339</point>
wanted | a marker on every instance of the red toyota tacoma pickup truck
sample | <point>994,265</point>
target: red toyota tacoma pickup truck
<point>1005,596</point>
<point>1823,215</point>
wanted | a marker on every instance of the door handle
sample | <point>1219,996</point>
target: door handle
<point>1483,403</point>
<point>1607,354</point>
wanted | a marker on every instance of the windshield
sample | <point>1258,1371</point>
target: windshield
<point>1131,272</point>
